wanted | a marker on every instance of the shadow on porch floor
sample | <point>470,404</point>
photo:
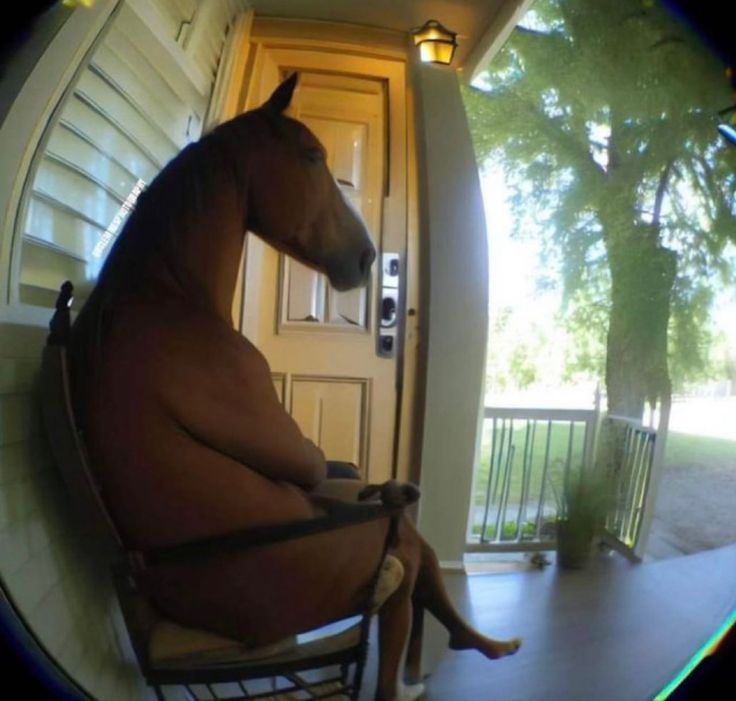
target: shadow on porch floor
<point>617,632</point>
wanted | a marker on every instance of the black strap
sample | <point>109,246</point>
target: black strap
<point>265,535</point>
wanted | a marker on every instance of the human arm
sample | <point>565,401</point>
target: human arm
<point>229,403</point>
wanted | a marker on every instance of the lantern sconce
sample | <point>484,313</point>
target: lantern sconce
<point>436,43</point>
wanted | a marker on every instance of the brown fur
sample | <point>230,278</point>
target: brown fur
<point>179,409</point>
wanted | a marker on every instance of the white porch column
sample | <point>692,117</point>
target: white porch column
<point>454,232</point>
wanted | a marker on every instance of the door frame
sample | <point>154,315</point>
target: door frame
<point>380,54</point>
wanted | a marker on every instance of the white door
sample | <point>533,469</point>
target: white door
<point>329,368</point>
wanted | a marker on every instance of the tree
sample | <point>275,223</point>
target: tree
<point>604,117</point>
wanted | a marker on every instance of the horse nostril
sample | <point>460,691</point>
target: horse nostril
<point>366,260</point>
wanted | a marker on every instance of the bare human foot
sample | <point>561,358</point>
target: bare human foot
<point>492,649</point>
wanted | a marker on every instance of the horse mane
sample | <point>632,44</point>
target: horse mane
<point>148,250</point>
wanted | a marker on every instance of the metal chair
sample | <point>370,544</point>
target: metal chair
<point>171,654</point>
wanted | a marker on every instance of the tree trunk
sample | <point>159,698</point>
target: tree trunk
<point>642,278</point>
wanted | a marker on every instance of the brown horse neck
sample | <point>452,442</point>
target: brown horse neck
<point>198,206</point>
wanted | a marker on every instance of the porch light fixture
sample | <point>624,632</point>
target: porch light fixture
<point>436,43</point>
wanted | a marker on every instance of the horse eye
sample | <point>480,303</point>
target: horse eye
<point>315,155</point>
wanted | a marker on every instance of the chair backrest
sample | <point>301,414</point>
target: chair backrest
<point>69,451</point>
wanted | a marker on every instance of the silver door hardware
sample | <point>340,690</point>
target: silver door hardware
<point>390,270</point>
<point>389,306</point>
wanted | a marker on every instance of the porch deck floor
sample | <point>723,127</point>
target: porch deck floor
<point>615,632</point>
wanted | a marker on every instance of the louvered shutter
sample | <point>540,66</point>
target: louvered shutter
<point>140,98</point>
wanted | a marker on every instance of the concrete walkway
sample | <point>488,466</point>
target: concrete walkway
<point>696,504</point>
<point>696,510</point>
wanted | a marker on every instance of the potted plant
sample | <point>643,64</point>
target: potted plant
<point>585,503</point>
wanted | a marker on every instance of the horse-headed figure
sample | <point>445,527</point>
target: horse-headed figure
<point>180,413</point>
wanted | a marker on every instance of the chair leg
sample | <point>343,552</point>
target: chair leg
<point>357,683</point>
<point>190,693</point>
<point>360,663</point>
<point>413,668</point>
<point>159,693</point>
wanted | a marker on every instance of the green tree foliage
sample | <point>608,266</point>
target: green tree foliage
<point>603,114</point>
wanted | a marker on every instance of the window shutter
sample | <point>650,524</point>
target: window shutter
<point>140,98</point>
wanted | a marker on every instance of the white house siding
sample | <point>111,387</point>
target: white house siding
<point>48,572</point>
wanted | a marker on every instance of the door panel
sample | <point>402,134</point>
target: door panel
<point>279,381</point>
<point>323,342</point>
<point>333,414</point>
<point>303,295</point>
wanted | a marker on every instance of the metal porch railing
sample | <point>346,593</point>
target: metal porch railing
<point>527,459</point>
<point>632,473</point>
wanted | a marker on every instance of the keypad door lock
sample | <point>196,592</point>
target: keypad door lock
<point>389,305</point>
<point>389,309</point>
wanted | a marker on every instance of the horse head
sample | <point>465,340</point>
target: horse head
<point>295,203</point>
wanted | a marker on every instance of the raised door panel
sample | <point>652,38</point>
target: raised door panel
<point>279,384</point>
<point>334,415</point>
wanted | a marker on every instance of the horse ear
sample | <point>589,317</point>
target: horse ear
<point>281,97</point>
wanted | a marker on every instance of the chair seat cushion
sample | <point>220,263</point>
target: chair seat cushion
<point>173,646</point>
<point>173,643</point>
<point>389,579</point>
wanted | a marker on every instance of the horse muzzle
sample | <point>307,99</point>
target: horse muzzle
<point>348,273</point>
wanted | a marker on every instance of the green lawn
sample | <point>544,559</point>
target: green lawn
<point>686,450</point>
<point>531,445</point>
<point>536,447</point>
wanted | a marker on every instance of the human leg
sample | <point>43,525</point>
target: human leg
<point>430,593</point>
<point>394,620</point>
<point>422,588</point>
